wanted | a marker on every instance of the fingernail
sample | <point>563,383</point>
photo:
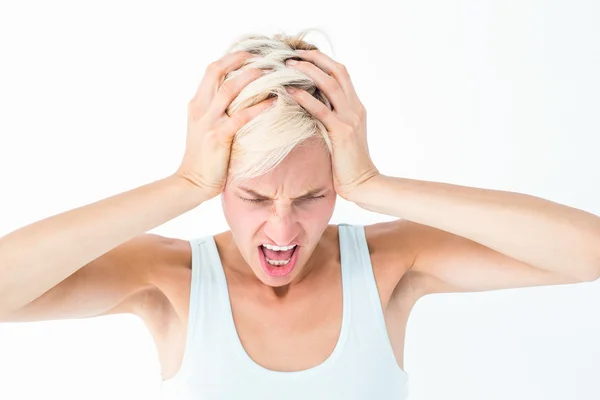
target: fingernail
<point>291,62</point>
<point>290,89</point>
<point>301,51</point>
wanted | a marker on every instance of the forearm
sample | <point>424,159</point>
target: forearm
<point>542,233</point>
<point>38,256</point>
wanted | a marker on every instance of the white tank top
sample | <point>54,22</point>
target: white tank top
<point>216,366</point>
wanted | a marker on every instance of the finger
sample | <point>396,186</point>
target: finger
<point>241,118</point>
<point>327,83</point>
<point>231,89</point>
<point>215,73</point>
<point>333,68</point>
<point>316,108</point>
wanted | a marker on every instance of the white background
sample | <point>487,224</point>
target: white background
<point>493,94</point>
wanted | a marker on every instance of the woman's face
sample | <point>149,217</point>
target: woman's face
<point>277,211</point>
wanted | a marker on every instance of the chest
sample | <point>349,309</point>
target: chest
<point>281,336</point>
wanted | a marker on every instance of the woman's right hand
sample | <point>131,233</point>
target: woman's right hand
<point>210,130</point>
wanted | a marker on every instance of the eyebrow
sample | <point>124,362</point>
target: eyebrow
<point>254,193</point>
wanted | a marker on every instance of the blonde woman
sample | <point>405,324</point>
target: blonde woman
<point>285,305</point>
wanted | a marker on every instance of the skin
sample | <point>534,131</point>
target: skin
<point>283,216</point>
<point>446,238</point>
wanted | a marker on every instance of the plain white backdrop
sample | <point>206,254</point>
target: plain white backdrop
<point>492,94</point>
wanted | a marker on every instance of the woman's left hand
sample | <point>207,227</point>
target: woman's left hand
<point>346,124</point>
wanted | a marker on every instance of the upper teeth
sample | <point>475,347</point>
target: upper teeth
<point>279,248</point>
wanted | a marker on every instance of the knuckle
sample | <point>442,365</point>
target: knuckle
<point>214,67</point>
<point>228,88</point>
<point>362,111</point>
<point>322,112</point>
<point>342,68</point>
<point>242,118</point>
<point>236,118</point>
<point>334,86</point>
<point>243,54</point>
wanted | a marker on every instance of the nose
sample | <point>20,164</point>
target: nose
<point>281,227</point>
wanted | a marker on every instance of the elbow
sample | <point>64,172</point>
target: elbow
<point>595,268</point>
<point>590,275</point>
<point>588,266</point>
<point>592,272</point>
<point>596,274</point>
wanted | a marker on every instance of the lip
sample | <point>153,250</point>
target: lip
<point>278,272</point>
<point>273,244</point>
<point>260,246</point>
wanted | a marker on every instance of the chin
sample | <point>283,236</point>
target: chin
<point>275,283</point>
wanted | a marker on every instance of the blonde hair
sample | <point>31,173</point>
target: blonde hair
<point>264,142</point>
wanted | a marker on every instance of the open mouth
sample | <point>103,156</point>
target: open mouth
<point>282,262</point>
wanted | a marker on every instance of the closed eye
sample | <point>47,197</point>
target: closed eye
<point>252,200</point>
<point>304,199</point>
<point>312,198</point>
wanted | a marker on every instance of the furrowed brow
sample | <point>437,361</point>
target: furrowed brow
<point>254,193</point>
<point>312,193</point>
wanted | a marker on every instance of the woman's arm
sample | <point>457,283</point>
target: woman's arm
<point>456,224</point>
<point>38,256</point>
<point>458,230</point>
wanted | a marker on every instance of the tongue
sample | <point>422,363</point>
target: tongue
<point>277,255</point>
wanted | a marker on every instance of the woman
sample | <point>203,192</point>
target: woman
<point>285,305</point>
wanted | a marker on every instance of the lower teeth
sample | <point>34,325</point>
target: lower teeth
<point>278,264</point>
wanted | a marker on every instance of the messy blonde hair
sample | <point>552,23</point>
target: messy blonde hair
<point>263,143</point>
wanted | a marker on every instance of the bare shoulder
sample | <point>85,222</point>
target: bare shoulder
<point>172,252</point>
<point>153,258</point>
<point>170,279</point>
<point>392,247</point>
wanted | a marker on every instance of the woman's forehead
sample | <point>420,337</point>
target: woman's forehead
<point>263,193</point>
